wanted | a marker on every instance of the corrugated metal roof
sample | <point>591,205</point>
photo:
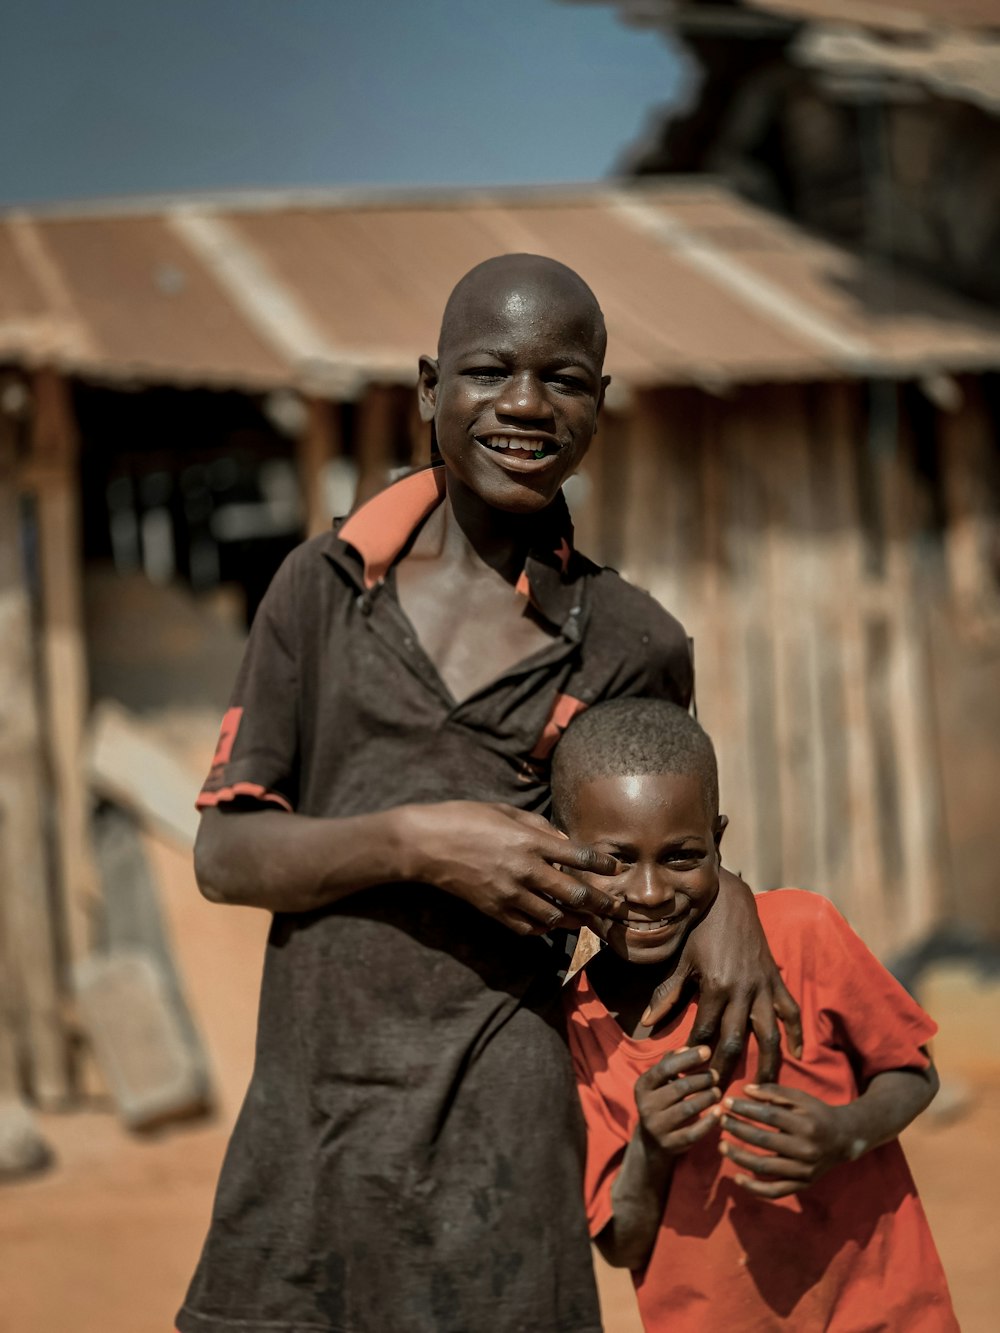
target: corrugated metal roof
<point>329,293</point>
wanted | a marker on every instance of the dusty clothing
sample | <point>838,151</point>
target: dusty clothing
<point>852,1254</point>
<point>409,1155</point>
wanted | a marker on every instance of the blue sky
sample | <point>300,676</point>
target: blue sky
<point>111,97</point>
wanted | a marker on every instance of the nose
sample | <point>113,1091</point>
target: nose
<point>651,886</point>
<point>524,398</point>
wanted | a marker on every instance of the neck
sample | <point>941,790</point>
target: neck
<point>466,530</point>
<point>625,988</point>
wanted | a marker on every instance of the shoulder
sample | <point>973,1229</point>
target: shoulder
<point>800,925</point>
<point>308,567</point>
<point>650,645</point>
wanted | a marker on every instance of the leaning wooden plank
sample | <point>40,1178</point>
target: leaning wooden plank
<point>130,917</point>
<point>126,1012</point>
<point>129,765</point>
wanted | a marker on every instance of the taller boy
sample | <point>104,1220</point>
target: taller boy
<point>409,1153</point>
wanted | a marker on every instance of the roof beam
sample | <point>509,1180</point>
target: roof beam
<point>753,289</point>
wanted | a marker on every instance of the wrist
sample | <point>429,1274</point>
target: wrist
<point>404,845</point>
<point>853,1133</point>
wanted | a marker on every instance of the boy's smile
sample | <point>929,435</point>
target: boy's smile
<point>659,828</point>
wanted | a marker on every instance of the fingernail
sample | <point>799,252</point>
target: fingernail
<point>750,1087</point>
<point>715,1075</point>
<point>728,1103</point>
<point>704,1052</point>
<point>724,1148</point>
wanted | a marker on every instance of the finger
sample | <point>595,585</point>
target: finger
<point>677,1062</point>
<point>687,1135</point>
<point>764,1022</point>
<point>576,857</point>
<point>770,1189</point>
<point>758,1136</point>
<point>766,1165</point>
<point>524,923</point>
<point>666,1120</point>
<point>777,1094</point>
<point>761,1113</point>
<point>732,1036</point>
<point>789,1013</point>
<point>708,1016</point>
<point>666,997</point>
<point>574,895</point>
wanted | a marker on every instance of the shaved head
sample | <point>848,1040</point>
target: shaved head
<point>525,288</point>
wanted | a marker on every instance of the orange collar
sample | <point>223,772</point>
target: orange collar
<point>380,529</point>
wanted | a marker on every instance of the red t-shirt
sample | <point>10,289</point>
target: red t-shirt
<point>852,1254</point>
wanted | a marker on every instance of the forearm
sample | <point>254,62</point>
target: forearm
<point>294,863</point>
<point>638,1198</point>
<point>890,1102</point>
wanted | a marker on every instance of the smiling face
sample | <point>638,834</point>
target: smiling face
<point>660,828</point>
<point>516,388</point>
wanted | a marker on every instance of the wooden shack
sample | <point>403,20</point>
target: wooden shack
<point>798,457</point>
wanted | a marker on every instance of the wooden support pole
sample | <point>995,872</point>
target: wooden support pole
<point>320,443</point>
<point>32,1024</point>
<point>378,423</point>
<point>54,471</point>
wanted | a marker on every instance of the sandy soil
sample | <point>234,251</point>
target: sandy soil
<point>106,1241</point>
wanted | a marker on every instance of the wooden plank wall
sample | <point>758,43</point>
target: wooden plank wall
<point>753,518</point>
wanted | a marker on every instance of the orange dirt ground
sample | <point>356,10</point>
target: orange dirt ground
<point>105,1242</point>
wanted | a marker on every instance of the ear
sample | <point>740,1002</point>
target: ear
<point>605,381</point>
<point>427,386</point>
<point>719,827</point>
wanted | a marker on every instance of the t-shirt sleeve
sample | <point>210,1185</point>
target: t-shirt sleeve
<point>877,1022</point>
<point>256,759</point>
<point>606,1115</point>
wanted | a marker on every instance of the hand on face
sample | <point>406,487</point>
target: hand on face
<point>800,1139</point>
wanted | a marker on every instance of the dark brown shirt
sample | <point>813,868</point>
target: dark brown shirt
<point>409,1154</point>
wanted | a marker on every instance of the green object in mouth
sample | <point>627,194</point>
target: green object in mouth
<point>539,453</point>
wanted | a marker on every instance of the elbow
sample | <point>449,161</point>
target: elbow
<point>619,1253</point>
<point>933,1083</point>
<point>209,863</point>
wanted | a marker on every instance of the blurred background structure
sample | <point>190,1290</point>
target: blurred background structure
<point>799,457</point>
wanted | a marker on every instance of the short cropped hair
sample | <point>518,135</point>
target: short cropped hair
<point>631,737</point>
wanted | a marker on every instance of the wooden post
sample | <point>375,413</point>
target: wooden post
<point>54,474</point>
<point>375,443</point>
<point>319,444</point>
<point>33,1021</point>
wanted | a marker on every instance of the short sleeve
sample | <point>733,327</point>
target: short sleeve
<point>873,1019</point>
<point>256,758</point>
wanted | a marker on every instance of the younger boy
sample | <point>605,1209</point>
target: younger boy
<point>801,1213</point>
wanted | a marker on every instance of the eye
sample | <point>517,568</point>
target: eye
<point>569,383</point>
<point>682,859</point>
<point>485,374</point>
